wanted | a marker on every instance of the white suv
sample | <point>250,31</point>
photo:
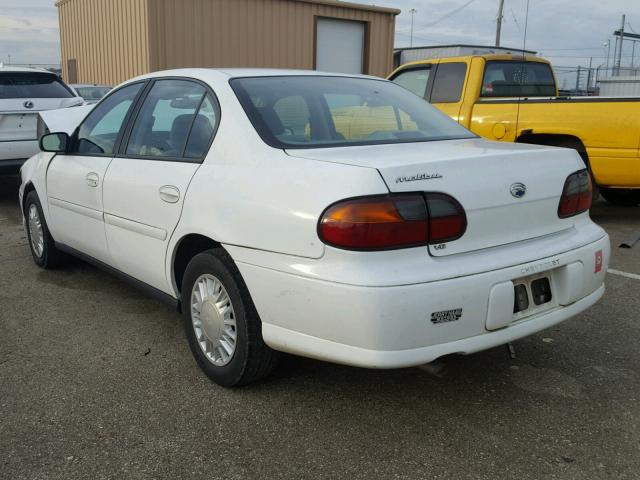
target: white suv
<point>330,216</point>
<point>23,93</point>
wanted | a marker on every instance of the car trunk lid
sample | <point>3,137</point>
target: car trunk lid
<point>509,192</point>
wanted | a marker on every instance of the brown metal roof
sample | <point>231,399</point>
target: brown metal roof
<point>331,3</point>
<point>356,6</point>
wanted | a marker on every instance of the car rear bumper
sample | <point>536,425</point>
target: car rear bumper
<point>314,347</point>
<point>398,326</point>
<point>17,151</point>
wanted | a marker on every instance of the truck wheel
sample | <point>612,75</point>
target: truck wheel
<point>621,196</point>
<point>221,323</point>
<point>41,243</point>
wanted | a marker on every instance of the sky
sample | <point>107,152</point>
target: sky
<point>567,32</point>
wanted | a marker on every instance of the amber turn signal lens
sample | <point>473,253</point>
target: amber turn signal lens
<point>375,223</point>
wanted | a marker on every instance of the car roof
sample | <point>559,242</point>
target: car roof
<point>229,73</point>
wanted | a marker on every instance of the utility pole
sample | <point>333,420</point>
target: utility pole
<point>412,11</point>
<point>619,57</point>
<point>589,75</point>
<point>499,22</point>
<point>608,45</point>
<point>633,53</point>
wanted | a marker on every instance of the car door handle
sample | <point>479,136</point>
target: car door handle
<point>169,193</point>
<point>92,179</point>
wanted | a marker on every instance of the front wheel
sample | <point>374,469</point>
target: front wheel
<point>221,323</point>
<point>621,196</point>
<point>41,243</point>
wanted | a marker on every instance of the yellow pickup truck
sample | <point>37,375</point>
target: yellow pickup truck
<point>515,99</point>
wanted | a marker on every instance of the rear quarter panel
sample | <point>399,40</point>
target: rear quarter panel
<point>251,195</point>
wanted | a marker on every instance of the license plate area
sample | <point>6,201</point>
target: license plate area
<point>18,126</point>
<point>533,294</point>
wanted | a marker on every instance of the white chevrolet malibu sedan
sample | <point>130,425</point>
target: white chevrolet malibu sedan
<point>330,216</point>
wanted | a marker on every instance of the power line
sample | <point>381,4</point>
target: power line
<point>450,14</point>
<point>430,40</point>
<point>515,20</point>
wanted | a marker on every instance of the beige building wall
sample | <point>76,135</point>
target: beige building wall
<point>256,33</point>
<point>108,39</point>
<point>113,40</point>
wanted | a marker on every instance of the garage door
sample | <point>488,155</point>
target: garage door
<point>340,46</point>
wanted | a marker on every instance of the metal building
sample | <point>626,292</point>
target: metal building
<point>622,86</point>
<point>109,41</point>
<point>411,54</point>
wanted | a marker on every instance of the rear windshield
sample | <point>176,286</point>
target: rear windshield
<point>518,79</point>
<point>92,92</point>
<point>316,111</point>
<point>32,85</point>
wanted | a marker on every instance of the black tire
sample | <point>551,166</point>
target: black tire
<point>625,197</point>
<point>252,358</point>
<point>50,257</point>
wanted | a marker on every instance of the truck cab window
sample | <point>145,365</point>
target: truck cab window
<point>415,80</point>
<point>518,79</point>
<point>448,82</point>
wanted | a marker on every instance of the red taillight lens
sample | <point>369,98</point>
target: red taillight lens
<point>447,220</point>
<point>576,194</point>
<point>385,222</point>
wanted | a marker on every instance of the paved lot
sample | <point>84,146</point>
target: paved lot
<point>96,381</point>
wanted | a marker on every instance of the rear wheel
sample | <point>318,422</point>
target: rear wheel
<point>621,196</point>
<point>41,243</point>
<point>221,323</point>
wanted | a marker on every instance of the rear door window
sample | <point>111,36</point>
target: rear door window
<point>203,129</point>
<point>518,79</point>
<point>162,126</point>
<point>32,85</point>
<point>448,82</point>
<point>415,80</point>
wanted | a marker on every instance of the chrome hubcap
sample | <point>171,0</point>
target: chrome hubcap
<point>214,320</point>
<point>36,234</point>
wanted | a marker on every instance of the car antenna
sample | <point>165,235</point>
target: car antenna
<point>522,68</point>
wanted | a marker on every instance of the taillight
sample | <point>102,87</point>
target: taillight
<point>576,194</point>
<point>447,220</point>
<point>384,222</point>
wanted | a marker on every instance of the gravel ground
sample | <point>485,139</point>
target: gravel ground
<point>97,381</point>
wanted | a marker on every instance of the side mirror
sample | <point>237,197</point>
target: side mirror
<point>54,142</point>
